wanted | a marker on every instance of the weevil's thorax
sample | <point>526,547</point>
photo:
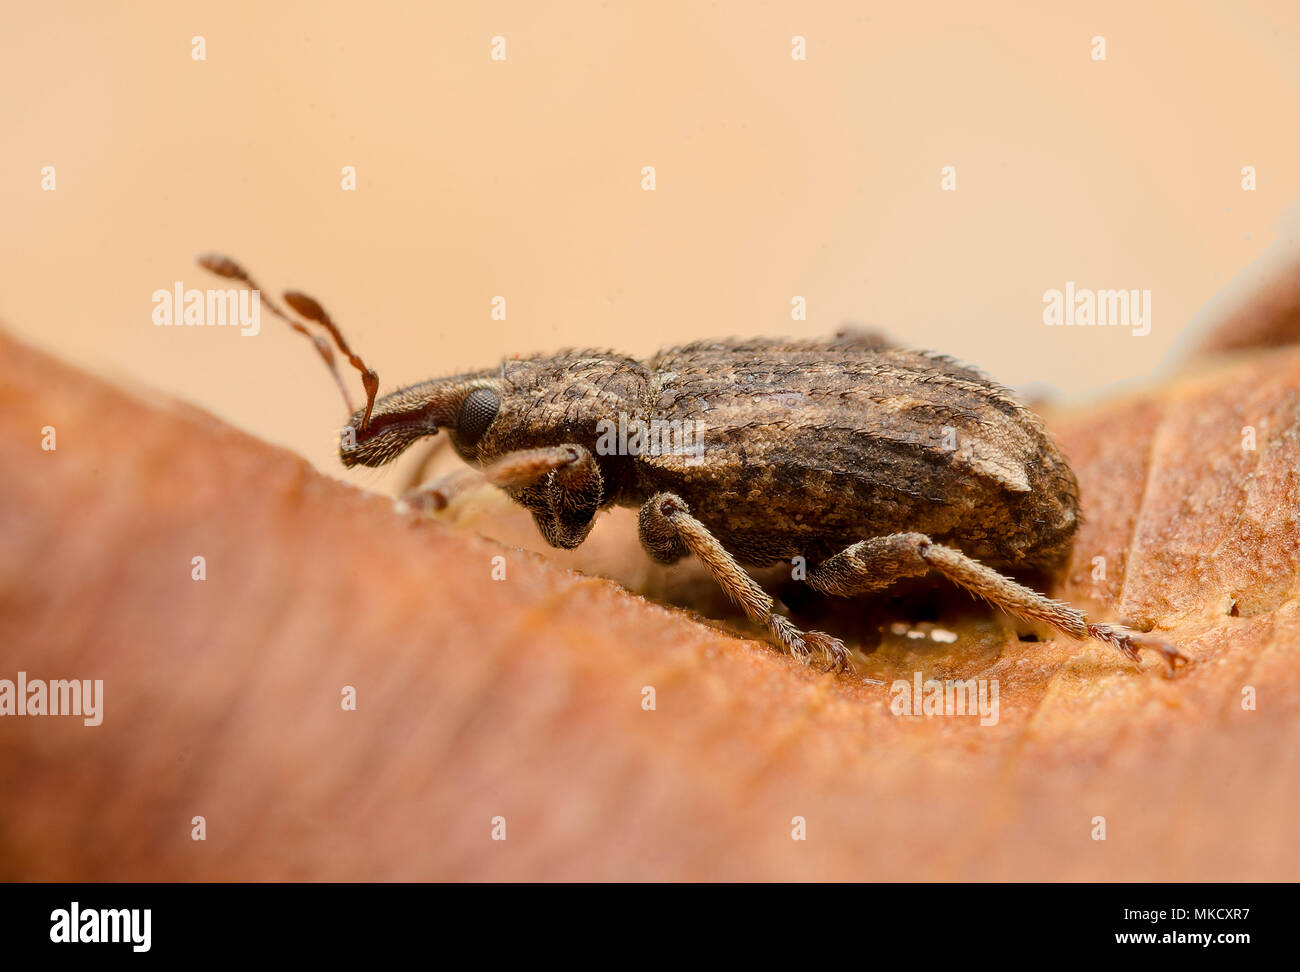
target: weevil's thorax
<point>565,398</point>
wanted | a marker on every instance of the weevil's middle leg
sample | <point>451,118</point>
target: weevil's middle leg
<point>875,565</point>
<point>668,532</point>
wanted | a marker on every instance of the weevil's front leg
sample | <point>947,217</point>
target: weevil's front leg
<point>416,478</point>
<point>668,531</point>
<point>875,565</point>
<point>562,486</point>
<point>441,492</point>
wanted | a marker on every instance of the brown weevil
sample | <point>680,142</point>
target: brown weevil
<point>871,463</point>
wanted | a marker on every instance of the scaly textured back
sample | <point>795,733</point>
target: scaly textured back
<point>812,446</point>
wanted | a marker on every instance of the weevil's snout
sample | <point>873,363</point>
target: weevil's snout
<point>373,446</point>
<point>466,406</point>
<point>397,421</point>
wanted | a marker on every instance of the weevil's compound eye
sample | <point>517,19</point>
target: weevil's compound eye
<point>476,414</point>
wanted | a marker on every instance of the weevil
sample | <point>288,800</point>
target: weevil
<point>866,463</point>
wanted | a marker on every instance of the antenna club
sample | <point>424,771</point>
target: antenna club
<point>222,266</point>
<point>308,308</point>
<point>306,305</point>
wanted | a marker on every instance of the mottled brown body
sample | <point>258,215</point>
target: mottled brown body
<point>813,447</point>
<point>863,464</point>
<point>808,446</point>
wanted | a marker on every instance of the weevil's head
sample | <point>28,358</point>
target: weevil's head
<point>464,405</point>
<point>524,403</point>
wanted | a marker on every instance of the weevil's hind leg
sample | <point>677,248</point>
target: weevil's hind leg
<point>668,531</point>
<point>874,565</point>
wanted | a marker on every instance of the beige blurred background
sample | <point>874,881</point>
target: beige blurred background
<point>522,178</point>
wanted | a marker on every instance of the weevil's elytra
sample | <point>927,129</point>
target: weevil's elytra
<point>872,463</point>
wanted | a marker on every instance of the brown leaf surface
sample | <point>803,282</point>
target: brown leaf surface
<point>522,698</point>
<point>1260,306</point>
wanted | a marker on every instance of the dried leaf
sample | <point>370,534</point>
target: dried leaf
<point>523,698</point>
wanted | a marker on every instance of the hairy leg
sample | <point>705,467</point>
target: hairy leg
<point>561,486</point>
<point>874,565</point>
<point>668,532</point>
<point>443,491</point>
<point>415,479</point>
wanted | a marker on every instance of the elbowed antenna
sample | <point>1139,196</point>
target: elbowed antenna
<point>309,308</point>
<point>403,416</point>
